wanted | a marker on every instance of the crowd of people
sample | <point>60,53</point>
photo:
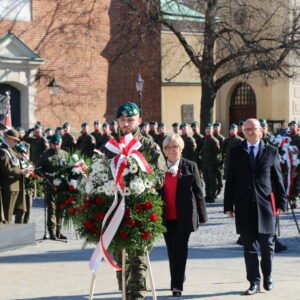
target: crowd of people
<point>188,158</point>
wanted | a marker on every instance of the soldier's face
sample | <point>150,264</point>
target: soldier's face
<point>233,131</point>
<point>55,147</point>
<point>129,124</point>
<point>175,129</point>
<point>161,129</point>
<point>184,130</point>
<point>208,131</point>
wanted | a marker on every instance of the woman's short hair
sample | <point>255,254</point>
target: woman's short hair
<point>173,137</point>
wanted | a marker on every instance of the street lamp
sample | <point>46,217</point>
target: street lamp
<point>53,87</point>
<point>139,83</point>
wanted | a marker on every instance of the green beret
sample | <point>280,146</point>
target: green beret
<point>105,124</point>
<point>145,124</point>
<point>66,124</point>
<point>263,123</point>
<point>58,128</point>
<point>209,125</point>
<point>194,124</point>
<point>128,109</point>
<point>36,126</point>
<point>96,122</point>
<point>161,124</point>
<point>48,129</point>
<point>233,126</point>
<point>84,124</point>
<point>153,123</point>
<point>182,125</point>
<point>241,123</point>
<point>217,124</point>
<point>21,148</point>
<point>294,122</point>
<point>55,139</point>
<point>114,122</point>
<point>175,124</point>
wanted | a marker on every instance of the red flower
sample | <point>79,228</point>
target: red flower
<point>293,205</point>
<point>100,216</point>
<point>99,200</point>
<point>88,203</point>
<point>71,188</point>
<point>88,224</point>
<point>69,200</point>
<point>61,206</point>
<point>153,217</point>
<point>137,223</point>
<point>138,207</point>
<point>72,210</point>
<point>130,222</point>
<point>127,213</point>
<point>148,205</point>
<point>123,235</point>
<point>145,235</point>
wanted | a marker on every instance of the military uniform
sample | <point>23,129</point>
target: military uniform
<point>68,142</point>
<point>38,145</point>
<point>96,133</point>
<point>136,266</point>
<point>49,164</point>
<point>86,144</point>
<point>189,150</point>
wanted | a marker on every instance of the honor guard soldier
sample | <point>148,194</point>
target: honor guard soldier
<point>128,116</point>
<point>175,127</point>
<point>145,127</point>
<point>106,136</point>
<point>59,130</point>
<point>265,134</point>
<point>48,133</point>
<point>241,129</point>
<point>210,160</point>
<point>162,129</point>
<point>68,140</point>
<point>189,150</point>
<point>86,142</point>
<point>232,140</point>
<point>113,127</point>
<point>293,133</point>
<point>50,163</point>
<point>10,174</point>
<point>220,172</point>
<point>97,131</point>
<point>198,137</point>
<point>38,144</point>
<point>153,130</point>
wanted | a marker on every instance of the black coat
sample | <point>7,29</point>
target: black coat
<point>190,204</point>
<point>245,184</point>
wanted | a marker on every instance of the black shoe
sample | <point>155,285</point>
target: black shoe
<point>239,241</point>
<point>176,293</point>
<point>268,284</point>
<point>253,289</point>
<point>279,247</point>
<point>60,236</point>
<point>210,200</point>
<point>52,237</point>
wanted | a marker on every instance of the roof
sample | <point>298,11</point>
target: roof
<point>175,11</point>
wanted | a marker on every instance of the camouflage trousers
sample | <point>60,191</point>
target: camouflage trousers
<point>135,270</point>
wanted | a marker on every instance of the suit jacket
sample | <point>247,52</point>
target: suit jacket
<point>190,204</point>
<point>246,183</point>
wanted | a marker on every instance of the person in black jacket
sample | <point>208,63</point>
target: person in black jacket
<point>253,171</point>
<point>184,207</point>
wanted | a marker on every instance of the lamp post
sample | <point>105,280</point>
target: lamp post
<point>139,83</point>
<point>53,87</point>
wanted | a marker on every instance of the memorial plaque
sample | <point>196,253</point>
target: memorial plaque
<point>187,113</point>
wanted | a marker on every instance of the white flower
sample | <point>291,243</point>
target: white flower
<point>75,157</point>
<point>133,185</point>
<point>125,172</point>
<point>148,184</point>
<point>100,189</point>
<point>133,168</point>
<point>127,191</point>
<point>76,170</point>
<point>104,177</point>
<point>74,183</point>
<point>139,181</point>
<point>89,187</point>
<point>140,188</point>
<point>62,162</point>
<point>107,189</point>
<point>57,182</point>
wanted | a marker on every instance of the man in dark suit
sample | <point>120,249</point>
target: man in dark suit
<point>253,173</point>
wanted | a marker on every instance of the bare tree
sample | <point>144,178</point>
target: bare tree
<point>239,38</point>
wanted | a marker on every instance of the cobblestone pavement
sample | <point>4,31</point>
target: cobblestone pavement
<point>215,270</point>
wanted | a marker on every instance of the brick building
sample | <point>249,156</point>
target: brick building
<point>84,45</point>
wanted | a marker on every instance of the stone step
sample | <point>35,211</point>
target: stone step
<point>14,236</point>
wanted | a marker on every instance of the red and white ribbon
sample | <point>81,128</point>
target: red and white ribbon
<point>127,147</point>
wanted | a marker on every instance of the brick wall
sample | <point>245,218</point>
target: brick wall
<point>79,40</point>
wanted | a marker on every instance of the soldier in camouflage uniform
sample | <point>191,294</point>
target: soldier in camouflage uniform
<point>189,150</point>
<point>38,144</point>
<point>210,160</point>
<point>106,136</point>
<point>86,142</point>
<point>241,129</point>
<point>68,140</point>
<point>198,137</point>
<point>145,127</point>
<point>232,140</point>
<point>153,130</point>
<point>48,133</point>
<point>97,132</point>
<point>129,119</point>
<point>162,133</point>
<point>220,173</point>
<point>50,163</point>
<point>113,127</point>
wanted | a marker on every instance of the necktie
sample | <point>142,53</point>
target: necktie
<point>252,157</point>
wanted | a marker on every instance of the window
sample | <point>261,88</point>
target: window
<point>243,95</point>
<point>17,10</point>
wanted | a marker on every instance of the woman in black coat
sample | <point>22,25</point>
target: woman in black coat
<point>184,207</point>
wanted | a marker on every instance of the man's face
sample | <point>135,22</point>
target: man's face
<point>208,131</point>
<point>145,129</point>
<point>38,131</point>
<point>21,133</point>
<point>217,129</point>
<point>175,129</point>
<point>233,131</point>
<point>96,127</point>
<point>113,128</point>
<point>252,131</point>
<point>294,127</point>
<point>106,130</point>
<point>67,129</point>
<point>184,130</point>
<point>129,124</point>
<point>162,129</point>
<point>85,129</point>
<point>153,127</point>
<point>55,147</point>
<point>195,129</point>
